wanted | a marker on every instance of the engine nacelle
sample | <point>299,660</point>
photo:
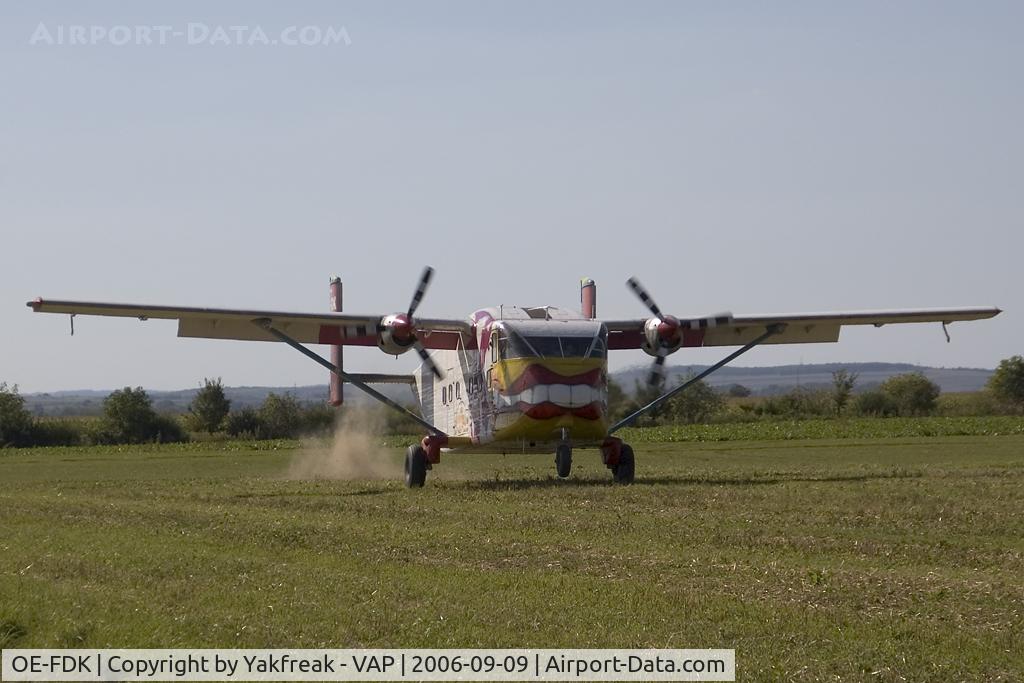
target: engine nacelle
<point>662,333</point>
<point>397,334</point>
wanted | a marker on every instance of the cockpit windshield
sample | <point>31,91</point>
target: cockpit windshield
<point>517,345</point>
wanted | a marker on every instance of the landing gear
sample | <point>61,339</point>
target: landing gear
<point>422,457</point>
<point>563,460</point>
<point>618,457</point>
<point>415,466</point>
<point>624,471</point>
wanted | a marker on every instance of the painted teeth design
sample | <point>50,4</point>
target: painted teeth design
<point>564,395</point>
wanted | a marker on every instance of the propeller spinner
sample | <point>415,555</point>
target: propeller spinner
<point>398,331</point>
<point>663,332</point>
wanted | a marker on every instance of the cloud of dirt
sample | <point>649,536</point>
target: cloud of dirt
<point>355,452</point>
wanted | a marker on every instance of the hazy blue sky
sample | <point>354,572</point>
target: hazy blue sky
<point>763,157</point>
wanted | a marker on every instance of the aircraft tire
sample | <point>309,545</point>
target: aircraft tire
<point>563,461</point>
<point>626,468</point>
<point>415,466</point>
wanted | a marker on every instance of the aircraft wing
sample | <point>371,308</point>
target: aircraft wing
<point>729,330</point>
<point>227,323</point>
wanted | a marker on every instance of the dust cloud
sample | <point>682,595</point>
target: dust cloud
<point>354,453</point>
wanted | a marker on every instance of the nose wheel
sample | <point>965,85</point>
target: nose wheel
<point>563,460</point>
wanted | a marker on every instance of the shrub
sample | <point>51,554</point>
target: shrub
<point>280,416</point>
<point>168,429</point>
<point>128,417</point>
<point>843,382</point>
<point>973,404</point>
<point>318,419</point>
<point>209,408</point>
<point>696,403</point>
<point>244,423</point>
<point>796,403</point>
<point>59,432</point>
<point>1007,383</point>
<point>15,420</point>
<point>874,403</point>
<point>912,393</point>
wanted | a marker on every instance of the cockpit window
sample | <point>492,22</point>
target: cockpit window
<point>530,346</point>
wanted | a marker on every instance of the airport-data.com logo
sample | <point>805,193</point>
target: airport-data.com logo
<point>192,33</point>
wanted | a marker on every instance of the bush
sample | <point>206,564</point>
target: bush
<point>244,423</point>
<point>168,429</point>
<point>1007,383</point>
<point>209,408</point>
<point>973,404</point>
<point>318,419</point>
<point>912,393</point>
<point>15,420</point>
<point>696,403</point>
<point>60,432</point>
<point>843,382</point>
<point>874,403</point>
<point>796,403</point>
<point>280,416</point>
<point>128,417</point>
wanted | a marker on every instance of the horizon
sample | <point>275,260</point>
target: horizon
<point>627,369</point>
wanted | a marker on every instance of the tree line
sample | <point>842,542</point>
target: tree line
<point>129,417</point>
<point>905,395</point>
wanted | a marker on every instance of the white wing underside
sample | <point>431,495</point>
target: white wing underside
<point>808,327</point>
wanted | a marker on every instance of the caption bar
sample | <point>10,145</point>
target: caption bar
<point>368,665</point>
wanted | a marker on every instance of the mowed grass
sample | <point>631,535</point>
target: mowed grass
<point>885,559</point>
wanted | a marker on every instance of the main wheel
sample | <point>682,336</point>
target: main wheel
<point>563,461</point>
<point>626,468</point>
<point>415,466</point>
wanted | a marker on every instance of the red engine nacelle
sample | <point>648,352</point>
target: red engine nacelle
<point>662,333</point>
<point>397,334</point>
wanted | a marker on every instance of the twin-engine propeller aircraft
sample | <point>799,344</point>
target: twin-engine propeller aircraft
<point>511,379</point>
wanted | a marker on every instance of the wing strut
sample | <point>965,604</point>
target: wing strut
<point>268,325</point>
<point>630,419</point>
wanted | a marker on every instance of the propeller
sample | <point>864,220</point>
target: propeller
<point>657,373</point>
<point>639,290</point>
<point>668,331</point>
<point>407,328</point>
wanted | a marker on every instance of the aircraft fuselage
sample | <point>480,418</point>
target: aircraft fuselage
<point>538,376</point>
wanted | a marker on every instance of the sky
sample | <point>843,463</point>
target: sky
<point>744,157</point>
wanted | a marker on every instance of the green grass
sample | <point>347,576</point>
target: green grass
<point>853,559</point>
<point>853,428</point>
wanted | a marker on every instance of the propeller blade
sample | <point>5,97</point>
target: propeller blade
<point>639,290</point>
<point>421,289</point>
<point>658,369</point>
<point>427,360</point>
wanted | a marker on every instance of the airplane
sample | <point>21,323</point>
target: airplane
<point>510,378</point>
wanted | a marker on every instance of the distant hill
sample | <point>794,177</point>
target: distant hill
<point>766,381</point>
<point>762,381</point>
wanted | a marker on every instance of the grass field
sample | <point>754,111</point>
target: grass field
<point>853,559</point>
